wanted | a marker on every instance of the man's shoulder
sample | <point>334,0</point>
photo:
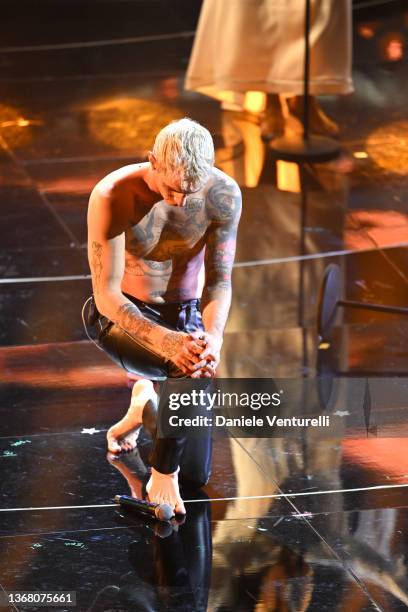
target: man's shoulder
<point>223,198</point>
<point>220,179</point>
<point>120,180</point>
<point>113,198</point>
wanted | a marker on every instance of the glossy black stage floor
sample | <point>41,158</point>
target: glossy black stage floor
<point>284,524</point>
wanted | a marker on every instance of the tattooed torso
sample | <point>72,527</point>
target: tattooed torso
<point>165,252</point>
<point>165,245</point>
<point>145,247</point>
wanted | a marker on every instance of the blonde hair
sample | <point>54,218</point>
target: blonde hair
<point>184,149</point>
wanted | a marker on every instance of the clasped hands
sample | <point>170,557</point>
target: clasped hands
<point>199,354</point>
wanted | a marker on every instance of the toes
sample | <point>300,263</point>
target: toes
<point>115,450</point>
<point>113,446</point>
<point>121,445</point>
<point>179,507</point>
<point>126,447</point>
<point>165,492</point>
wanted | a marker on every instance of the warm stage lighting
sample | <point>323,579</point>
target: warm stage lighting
<point>130,123</point>
<point>366,30</point>
<point>169,88</point>
<point>16,122</point>
<point>394,50</point>
<point>324,346</point>
<point>11,123</point>
<point>287,176</point>
<point>242,154</point>
<point>255,101</point>
<point>373,226</point>
<point>360,155</point>
<point>391,47</point>
<point>388,147</point>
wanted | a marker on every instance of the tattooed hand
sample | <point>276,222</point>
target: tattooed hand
<point>211,353</point>
<point>183,350</point>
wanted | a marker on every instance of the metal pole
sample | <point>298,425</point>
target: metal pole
<point>302,245</point>
<point>306,74</point>
<point>376,307</point>
<point>305,147</point>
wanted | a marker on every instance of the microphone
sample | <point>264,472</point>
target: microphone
<point>162,512</point>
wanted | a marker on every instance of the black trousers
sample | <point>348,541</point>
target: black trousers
<point>193,455</point>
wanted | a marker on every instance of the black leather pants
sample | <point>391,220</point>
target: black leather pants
<point>192,455</point>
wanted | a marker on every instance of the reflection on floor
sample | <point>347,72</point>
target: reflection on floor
<point>296,523</point>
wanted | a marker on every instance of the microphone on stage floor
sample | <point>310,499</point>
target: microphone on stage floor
<point>162,512</point>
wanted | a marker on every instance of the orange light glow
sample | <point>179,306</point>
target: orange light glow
<point>388,147</point>
<point>255,101</point>
<point>11,122</point>
<point>360,155</point>
<point>20,122</point>
<point>395,50</point>
<point>243,154</point>
<point>82,368</point>
<point>74,185</point>
<point>324,346</point>
<point>129,123</point>
<point>169,88</point>
<point>288,176</point>
<point>391,47</point>
<point>385,455</point>
<point>73,378</point>
<point>364,228</point>
<point>366,30</point>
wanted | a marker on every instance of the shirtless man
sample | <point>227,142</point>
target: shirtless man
<point>153,228</point>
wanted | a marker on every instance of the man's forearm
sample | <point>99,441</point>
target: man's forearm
<point>128,316</point>
<point>215,308</point>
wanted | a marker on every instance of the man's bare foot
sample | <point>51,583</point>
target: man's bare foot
<point>122,437</point>
<point>164,489</point>
<point>134,470</point>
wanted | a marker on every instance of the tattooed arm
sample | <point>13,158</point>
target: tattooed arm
<point>106,254</point>
<point>224,202</point>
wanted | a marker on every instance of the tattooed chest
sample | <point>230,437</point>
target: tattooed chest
<point>160,237</point>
